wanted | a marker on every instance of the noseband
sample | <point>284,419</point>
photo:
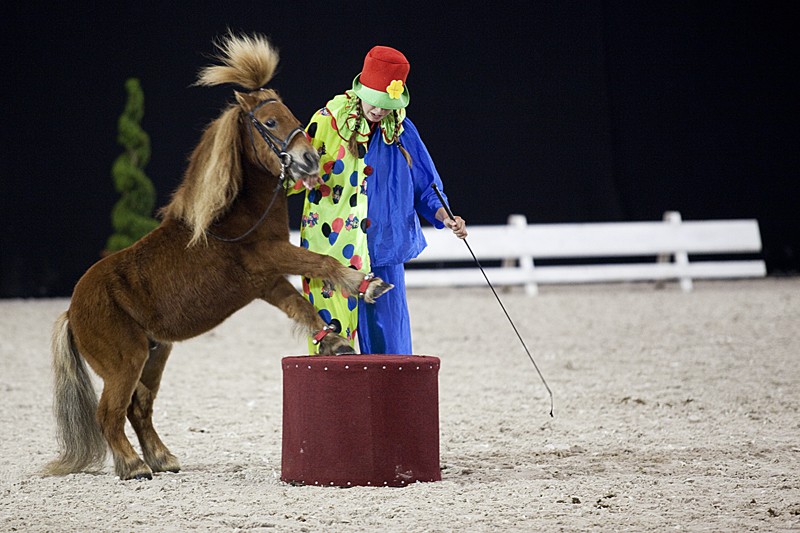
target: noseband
<point>279,147</point>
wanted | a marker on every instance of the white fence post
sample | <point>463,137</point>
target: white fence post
<point>525,261</point>
<point>681,257</point>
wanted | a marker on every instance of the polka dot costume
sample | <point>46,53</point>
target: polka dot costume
<point>334,214</point>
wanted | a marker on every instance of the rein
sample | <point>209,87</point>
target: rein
<point>279,147</point>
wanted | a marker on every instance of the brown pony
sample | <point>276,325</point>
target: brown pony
<point>223,241</point>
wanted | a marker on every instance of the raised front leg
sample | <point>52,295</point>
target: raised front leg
<point>285,297</point>
<point>290,259</point>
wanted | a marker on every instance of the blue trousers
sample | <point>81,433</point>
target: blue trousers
<point>385,327</point>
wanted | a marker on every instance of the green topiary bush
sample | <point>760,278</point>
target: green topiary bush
<point>131,216</point>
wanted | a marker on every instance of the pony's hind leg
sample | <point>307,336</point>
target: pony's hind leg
<point>140,411</point>
<point>120,370</point>
<point>111,411</point>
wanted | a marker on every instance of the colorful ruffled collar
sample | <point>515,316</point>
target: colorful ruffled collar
<point>343,108</point>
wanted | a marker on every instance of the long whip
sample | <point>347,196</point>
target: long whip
<point>450,214</point>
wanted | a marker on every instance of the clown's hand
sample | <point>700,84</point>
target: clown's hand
<point>458,226</point>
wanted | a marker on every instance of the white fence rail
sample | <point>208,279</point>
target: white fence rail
<point>660,251</point>
<point>519,245</point>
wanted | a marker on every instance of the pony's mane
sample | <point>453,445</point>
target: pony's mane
<point>214,173</point>
<point>248,61</point>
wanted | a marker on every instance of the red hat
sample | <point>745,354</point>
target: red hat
<point>382,81</point>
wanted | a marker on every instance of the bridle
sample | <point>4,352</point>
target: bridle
<point>279,147</point>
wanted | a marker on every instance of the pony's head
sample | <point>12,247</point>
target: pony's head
<point>257,129</point>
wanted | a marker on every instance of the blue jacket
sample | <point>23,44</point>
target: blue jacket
<point>398,195</point>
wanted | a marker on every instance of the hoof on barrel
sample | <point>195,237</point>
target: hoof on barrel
<point>335,344</point>
<point>344,350</point>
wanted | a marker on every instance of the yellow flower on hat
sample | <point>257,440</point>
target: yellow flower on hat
<point>395,89</point>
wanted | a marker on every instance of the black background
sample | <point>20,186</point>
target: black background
<point>565,111</point>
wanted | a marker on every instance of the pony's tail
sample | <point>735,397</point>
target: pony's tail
<point>81,443</point>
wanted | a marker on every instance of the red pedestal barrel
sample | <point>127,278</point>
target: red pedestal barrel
<point>360,420</point>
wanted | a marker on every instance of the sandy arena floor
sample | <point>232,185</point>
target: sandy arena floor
<point>673,412</point>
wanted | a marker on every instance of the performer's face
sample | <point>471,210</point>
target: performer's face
<point>373,114</point>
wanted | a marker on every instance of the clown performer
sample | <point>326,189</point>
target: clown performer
<point>375,180</point>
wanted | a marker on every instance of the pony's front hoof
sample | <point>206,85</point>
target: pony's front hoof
<point>344,350</point>
<point>376,288</point>
<point>334,344</point>
<point>143,475</point>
